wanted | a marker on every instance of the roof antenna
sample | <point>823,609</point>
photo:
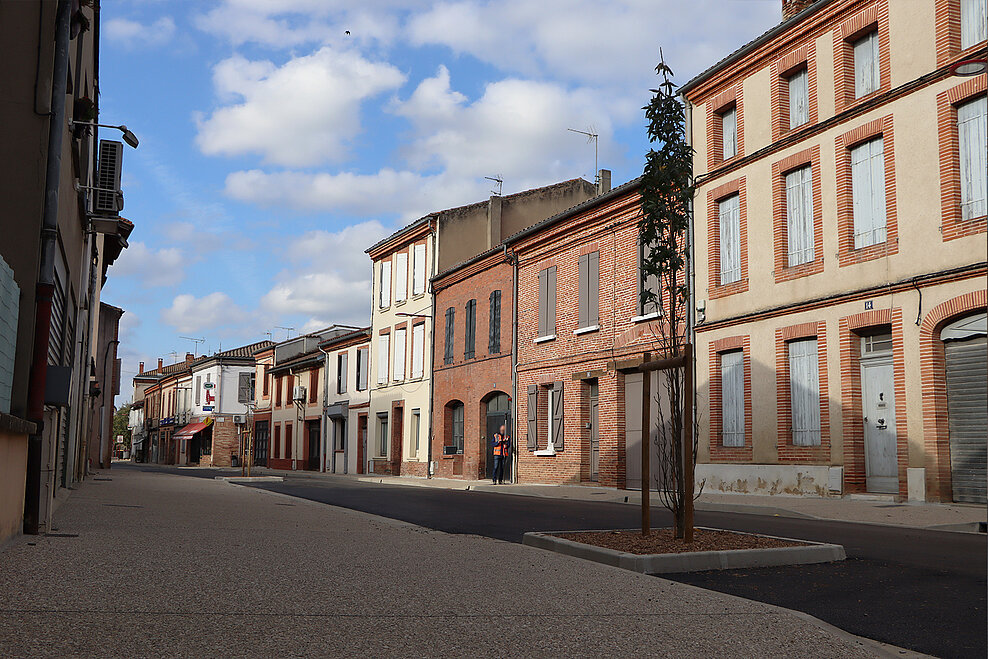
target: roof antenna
<point>498,181</point>
<point>289,330</point>
<point>592,136</point>
<point>195,343</point>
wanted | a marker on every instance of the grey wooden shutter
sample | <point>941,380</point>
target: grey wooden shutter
<point>533,417</point>
<point>732,398</point>
<point>868,192</point>
<point>198,389</point>
<point>799,112</point>
<point>341,373</point>
<point>243,387</point>
<point>730,239</point>
<point>804,392</point>
<point>971,127</point>
<point>470,333</point>
<point>362,355</point>
<point>799,215</point>
<point>866,71</point>
<point>550,313</point>
<point>543,301</point>
<point>593,314</point>
<point>494,324</point>
<point>448,348</point>
<point>973,25</point>
<point>584,268</point>
<point>557,416</point>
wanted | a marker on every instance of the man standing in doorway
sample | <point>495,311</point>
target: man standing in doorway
<point>502,451</point>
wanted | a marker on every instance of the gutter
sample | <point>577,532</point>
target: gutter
<point>33,524</point>
<point>432,352</point>
<point>514,361</point>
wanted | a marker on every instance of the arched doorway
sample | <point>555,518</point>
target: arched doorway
<point>498,407</point>
<point>965,348</point>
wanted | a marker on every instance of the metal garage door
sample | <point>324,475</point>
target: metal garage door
<point>966,350</point>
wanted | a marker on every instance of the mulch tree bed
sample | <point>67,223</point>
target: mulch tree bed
<point>661,541</point>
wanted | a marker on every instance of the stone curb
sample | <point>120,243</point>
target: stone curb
<point>813,552</point>
<point>251,479</point>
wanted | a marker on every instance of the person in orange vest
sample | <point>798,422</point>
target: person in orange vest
<point>502,451</point>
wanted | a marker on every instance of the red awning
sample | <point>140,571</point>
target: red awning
<point>190,430</point>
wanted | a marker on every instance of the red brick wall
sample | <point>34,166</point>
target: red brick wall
<point>226,442</point>
<point>470,381</point>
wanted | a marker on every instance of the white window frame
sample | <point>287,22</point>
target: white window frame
<point>799,215</point>
<point>867,73</point>
<point>868,192</point>
<point>420,269</point>
<point>804,391</point>
<point>399,354</point>
<point>383,358</point>
<point>401,276</point>
<point>799,98</point>
<point>384,284</point>
<point>418,350</point>
<point>732,399</point>
<point>973,27</point>
<point>729,132</point>
<point>729,213</point>
<point>972,124</point>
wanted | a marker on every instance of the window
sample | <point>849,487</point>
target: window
<point>457,427</point>
<point>553,422</point>
<point>876,345</point>
<point>419,269</point>
<point>868,190</point>
<point>198,389</point>
<point>245,389</point>
<point>382,434</point>
<point>448,347</point>
<point>804,392</point>
<point>362,366</point>
<point>972,123</point>
<point>341,372</point>
<point>383,354</point>
<point>400,344</point>
<point>649,286</point>
<point>401,276</point>
<point>289,440</point>
<point>385,285</point>
<point>589,283</point>
<point>799,98</point>
<point>732,398</point>
<point>729,132</point>
<point>547,302</point>
<point>313,385</point>
<point>799,215</point>
<point>266,386</point>
<point>418,350</point>
<point>276,452</point>
<point>494,324</point>
<point>866,70</point>
<point>973,23</point>
<point>339,434</point>
<point>278,384</point>
<point>730,239</point>
<point>470,330</point>
<point>416,430</point>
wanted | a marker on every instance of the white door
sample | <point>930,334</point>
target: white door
<point>878,407</point>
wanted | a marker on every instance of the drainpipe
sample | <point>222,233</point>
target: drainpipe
<point>33,507</point>
<point>513,259</point>
<point>432,351</point>
<point>322,417</point>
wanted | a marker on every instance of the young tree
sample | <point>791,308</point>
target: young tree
<point>120,419</point>
<point>666,207</point>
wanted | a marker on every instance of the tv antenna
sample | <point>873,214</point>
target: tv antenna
<point>498,181</point>
<point>287,329</point>
<point>592,136</point>
<point>195,343</point>
<point>269,335</point>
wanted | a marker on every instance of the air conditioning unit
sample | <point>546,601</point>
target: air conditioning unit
<point>108,199</point>
<point>240,419</point>
<point>299,393</point>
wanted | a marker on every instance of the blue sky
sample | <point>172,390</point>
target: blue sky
<point>275,148</point>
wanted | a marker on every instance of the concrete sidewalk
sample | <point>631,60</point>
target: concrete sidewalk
<point>155,564</point>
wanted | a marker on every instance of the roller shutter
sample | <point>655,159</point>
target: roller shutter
<point>967,414</point>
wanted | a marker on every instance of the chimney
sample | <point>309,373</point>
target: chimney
<point>160,363</point>
<point>792,7</point>
<point>603,181</point>
<point>140,368</point>
<point>189,357</point>
<point>494,221</point>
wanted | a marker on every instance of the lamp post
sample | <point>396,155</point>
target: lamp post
<point>128,135</point>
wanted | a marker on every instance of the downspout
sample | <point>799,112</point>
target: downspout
<point>432,350</point>
<point>513,259</point>
<point>46,274</point>
<point>323,419</point>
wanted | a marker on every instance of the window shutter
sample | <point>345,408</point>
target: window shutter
<point>382,359</point>
<point>533,417</point>
<point>866,71</point>
<point>198,389</point>
<point>732,397</point>
<point>385,284</point>
<point>730,239</point>
<point>418,350</point>
<point>799,214</point>
<point>470,332</point>
<point>418,269</point>
<point>868,191</point>
<point>594,290</point>
<point>343,372</point>
<point>729,132</point>
<point>583,266</point>
<point>543,301</point>
<point>973,26</point>
<point>401,276</point>
<point>557,416</point>
<point>972,118</point>
<point>399,352</point>
<point>362,354</point>
<point>550,313</point>
<point>804,392</point>
<point>798,99</point>
<point>448,347</point>
<point>494,324</point>
<point>243,387</point>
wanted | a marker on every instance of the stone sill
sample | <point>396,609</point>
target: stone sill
<point>16,425</point>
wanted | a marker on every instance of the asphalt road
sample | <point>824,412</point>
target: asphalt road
<point>917,589</point>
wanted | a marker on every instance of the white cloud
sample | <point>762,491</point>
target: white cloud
<point>299,114</point>
<point>131,34</point>
<point>330,277</point>
<point>151,267</point>
<point>188,313</point>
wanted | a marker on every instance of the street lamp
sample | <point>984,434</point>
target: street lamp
<point>970,67</point>
<point>412,315</point>
<point>128,135</point>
